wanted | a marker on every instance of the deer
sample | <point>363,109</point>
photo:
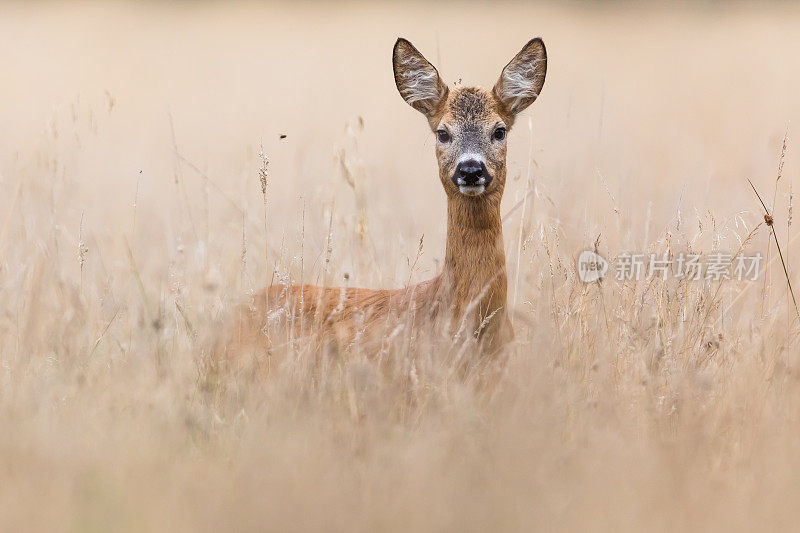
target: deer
<point>470,125</point>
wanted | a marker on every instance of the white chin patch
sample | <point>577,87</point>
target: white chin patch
<point>473,190</point>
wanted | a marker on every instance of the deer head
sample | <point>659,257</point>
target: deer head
<point>470,123</point>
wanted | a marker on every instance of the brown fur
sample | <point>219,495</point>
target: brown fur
<point>469,296</point>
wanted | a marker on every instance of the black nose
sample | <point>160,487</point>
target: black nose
<point>471,173</point>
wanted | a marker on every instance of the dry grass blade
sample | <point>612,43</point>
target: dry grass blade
<point>263,178</point>
<point>770,221</point>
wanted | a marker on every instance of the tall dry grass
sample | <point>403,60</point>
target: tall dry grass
<point>132,220</point>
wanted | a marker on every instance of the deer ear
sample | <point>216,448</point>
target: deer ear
<point>522,79</point>
<point>417,80</point>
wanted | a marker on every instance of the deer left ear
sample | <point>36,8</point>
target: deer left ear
<point>522,79</point>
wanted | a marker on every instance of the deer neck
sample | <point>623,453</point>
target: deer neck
<point>475,261</point>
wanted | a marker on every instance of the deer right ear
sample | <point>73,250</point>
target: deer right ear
<point>522,79</point>
<point>417,80</point>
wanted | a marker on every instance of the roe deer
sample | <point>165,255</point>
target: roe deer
<point>470,125</point>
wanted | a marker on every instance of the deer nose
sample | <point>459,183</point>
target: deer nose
<point>471,173</point>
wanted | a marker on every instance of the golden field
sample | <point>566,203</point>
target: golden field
<point>132,222</point>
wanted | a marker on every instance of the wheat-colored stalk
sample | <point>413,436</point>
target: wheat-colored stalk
<point>263,177</point>
<point>82,250</point>
<point>770,221</point>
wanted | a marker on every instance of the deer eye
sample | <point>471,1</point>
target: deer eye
<point>499,134</point>
<point>443,136</point>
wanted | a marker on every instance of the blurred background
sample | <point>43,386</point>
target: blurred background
<point>648,109</point>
